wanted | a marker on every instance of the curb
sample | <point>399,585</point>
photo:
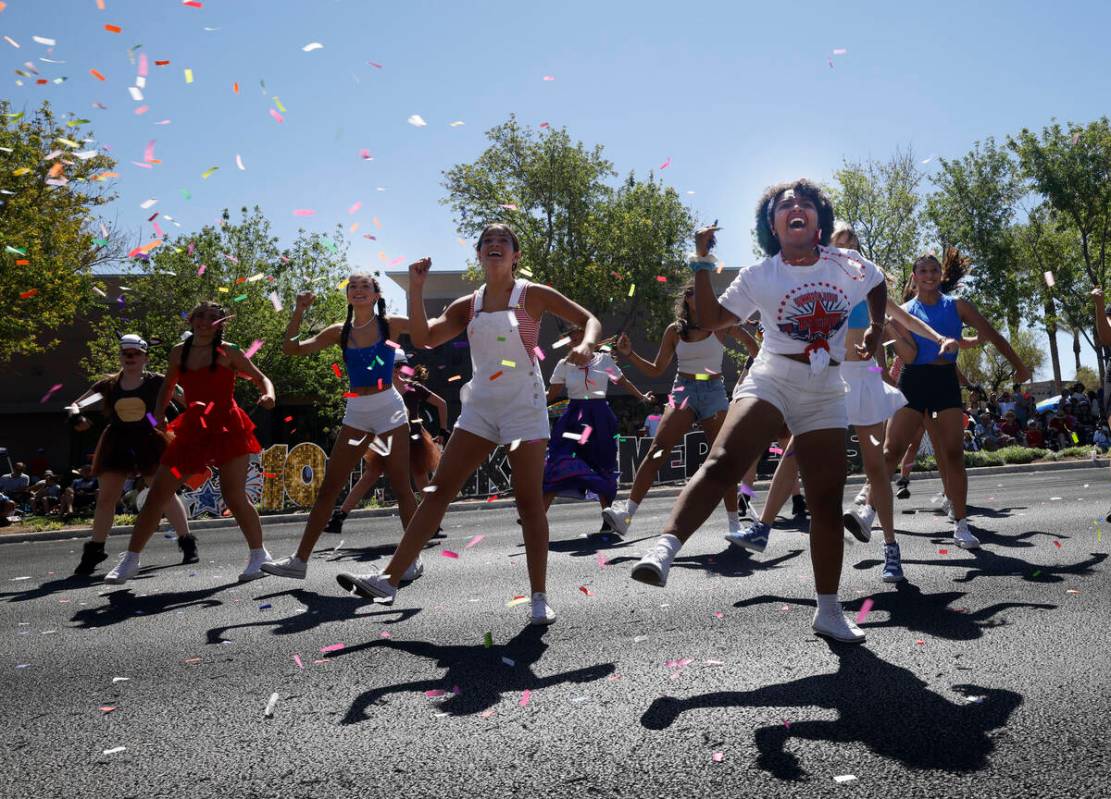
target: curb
<point>668,490</point>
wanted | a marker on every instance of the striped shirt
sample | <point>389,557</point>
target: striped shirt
<point>528,327</point>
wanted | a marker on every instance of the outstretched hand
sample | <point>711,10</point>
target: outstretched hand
<point>705,238</point>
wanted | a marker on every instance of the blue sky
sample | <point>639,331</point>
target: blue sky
<point>736,95</point>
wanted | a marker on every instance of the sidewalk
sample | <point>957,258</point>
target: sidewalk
<point>479,504</point>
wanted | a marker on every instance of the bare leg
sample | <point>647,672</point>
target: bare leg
<point>784,483</point>
<point>879,483</point>
<point>712,427</point>
<point>673,426</point>
<point>738,445</point>
<point>465,452</point>
<point>947,434</point>
<point>233,488</point>
<point>398,472</point>
<point>822,460</point>
<point>372,470</point>
<point>111,487</point>
<point>179,520</point>
<point>164,486</point>
<point>527,462</point>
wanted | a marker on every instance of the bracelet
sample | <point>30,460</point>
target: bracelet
<point>697,263</point>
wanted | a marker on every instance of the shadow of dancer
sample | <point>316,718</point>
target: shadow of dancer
<point>731,562</point>
<point>318,610</point>
<point>123,605</point>
<point>909,608</point>
<point>885,707</point>
<point>991,564</point>
<point>480,674</point>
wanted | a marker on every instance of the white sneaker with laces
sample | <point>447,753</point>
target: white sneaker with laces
<point>375,587</point>
<point>858,521</point>
<point>292,567</point>
<point>254,565</point>
<point>838,627</point>
<point>654,566</point>
<point>540,612</point>
<point>124,570</point>
<point>617,516</point>
<point>963,536</point>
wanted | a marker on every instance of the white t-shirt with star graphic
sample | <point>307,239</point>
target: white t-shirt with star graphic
<point>590,381</point>
<point>801,305</point>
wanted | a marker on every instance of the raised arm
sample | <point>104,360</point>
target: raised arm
<point>663,356</point>
<point>741,334</point>
<point>973,318</point>
<point>328,337</point>
<point>1103,326</point>
<point>428,334</point>
<point>544,299</point>
<point>438,402</point>
<point>627,384</point>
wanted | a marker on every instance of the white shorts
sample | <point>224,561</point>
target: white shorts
<point>376,413</point>
<point>807,401</point>
<point>502,422</point>
<point>869,400</point>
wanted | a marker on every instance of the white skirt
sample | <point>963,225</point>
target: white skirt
<point>868,399</point>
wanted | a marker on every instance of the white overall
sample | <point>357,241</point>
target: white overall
<point>505,398</point>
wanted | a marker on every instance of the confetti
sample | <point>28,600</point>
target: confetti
<point>526,697</point>
<point>563,342</point>
<point>304,212</point>
<point>298,661</point>
<point>113,28</point>
<point>106,709</point>
<point>417,121</point>
<point>96,73</point>
<point>53,389</point>
<point>256,345</point>
<point>44,40</point>
<point>474,541</point>
<point>26,295</point>
<point>324,650</point>
<point>270,705</point>
<point>843,778</point>
<point>447,553</point>
<point>336,371</point>
<point>586,590</point>
<point>308,48</point>
<point>496,375</point>
<point>510,364</point>
<point>277,117</point>
<point>188,76</point>
<point>115,750</point>
<point>549,77</point>
<point>538,352</point>
<point>632,289</point>
<point>666,163</point>
<point>209,172</point>
<point>239,162</point>
<point>840,51</point>
<point>1049,279</point>
<point>717,757</point>
<point>865,609</point>
<point>515,601</point>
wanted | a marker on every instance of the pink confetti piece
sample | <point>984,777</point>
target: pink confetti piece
<point>545,125</point>
<point>549,77</point>
<point>487,713</point>
<point>775,450</point>
<point>332,648</point>
<point>140,110</point>
<point>587,430</point>
<point>840,51</point>
<point>365,155</point>
<point>435,693</point>
<point>943,552</point>
<point>106,709</point>
<point>526,697</point>
<point>53,390</point>
<point>601,560</point>
<point>304,212</point>
<point>919,642</point>
<point>718,614</point>
<point>384,634</point>
<point>538,352</point>
<point>666,163</point>
<point>297,660</point>
<point>447,553</point>
<point>277,117</point>
<point>865,609</point>
<point>256,345</point>
<point>474,541</point>
<point>354,208</point>
<point>717,757</point>
<point>148,152</point>
<point>201,269</point>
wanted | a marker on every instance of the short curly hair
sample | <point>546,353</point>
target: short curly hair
<point>765,236</point>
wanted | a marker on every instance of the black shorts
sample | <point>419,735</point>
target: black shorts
<point>931,388</point>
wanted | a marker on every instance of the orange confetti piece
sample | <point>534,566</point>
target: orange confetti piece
<point>26,295</point>
<point>100,4</point>
<point>235,88</point>
<point>97,74</point>
<point>335,368</point>
<point>113,28</point>
<point>22,262</point>
<point>163,63</point>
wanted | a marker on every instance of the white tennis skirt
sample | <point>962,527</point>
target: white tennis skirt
<point>868,399</point>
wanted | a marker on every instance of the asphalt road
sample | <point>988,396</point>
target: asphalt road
<point>985,675</point>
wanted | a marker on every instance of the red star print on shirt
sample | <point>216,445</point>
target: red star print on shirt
<point>813,312</point>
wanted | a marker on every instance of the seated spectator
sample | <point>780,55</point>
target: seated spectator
<point>16,484</point>
<point>987,433</point>
<point>1010,426</point>
<point>1060,426</point>
<point>1034,437</point>
<point>1006,403</point>
<point>81,493</point>
<point>46,494</point>
<point>130,499</point>
<point>1102,438</point>
<point>970,442</point>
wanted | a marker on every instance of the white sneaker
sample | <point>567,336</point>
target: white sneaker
<point>862,496</point>
<point>124,570</point>
<point>617,516</point>
<point>375,587</point>
<point>292,567</point>
<point>415,570</point>
<point>654,566</point>
<point>858,521</point>
<point>838,627</point>
<point>964,538</point>
<point>540,612</point>
<point>254,566</point>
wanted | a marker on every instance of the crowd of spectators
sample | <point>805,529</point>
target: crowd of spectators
<point>1011,418</point>
<point>46,494</point>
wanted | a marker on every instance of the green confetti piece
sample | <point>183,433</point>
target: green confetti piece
<point>73,123</point>
<point>488,640</point>
<point>208,172</point>
<point>186,194</point>
<point>501,338</point>
<point>379,361</point>
<point>329,245</point>
<point>16,250</point>
<point>100,242</point>
<point>240,298</point>
<point>14,116</point>
<point>1035,574</point>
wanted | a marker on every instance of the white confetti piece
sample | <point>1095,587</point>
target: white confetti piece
<point>1050,280</point>
<point>44,40</point>
<point>147,203</point>
<point>270,705</point>
<point>456,124</point>
<point>18,579</point>
<point>136,93</point>
<point>308,48</point>
<point>417,121</point>
<point>843,778</point>
<point>120,679</point>
<point>239,162</point>
<point>115,750</point>
<point>508,661</point>
<point>563,342</point>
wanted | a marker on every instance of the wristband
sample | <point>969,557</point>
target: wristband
<point>697,263</point>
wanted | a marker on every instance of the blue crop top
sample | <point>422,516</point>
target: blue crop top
<point>942,317</point>
<point>859,318</point>
<point>366,366</point>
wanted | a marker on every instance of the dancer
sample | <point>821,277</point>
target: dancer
<point>1103,330</point>
<point>578,462</point>
<point>502,404</point>
<point>375,416</point>
<point>129,446</point>
<point>804,291</point>
<point>213,431</point>
<point>931,384</point>
<point>424,449</point>
<point>697,395</point>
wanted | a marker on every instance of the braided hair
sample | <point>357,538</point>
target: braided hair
<point>379,309</point>
<point>683,312</point>
<point>217,339</point>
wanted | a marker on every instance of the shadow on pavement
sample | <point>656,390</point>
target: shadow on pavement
<point>73,582</point>
<point>885,707</point>
<point>986,563</point>
<point>730,562</point>
<point>320,610</point>
<point>123,605</point>
<point>481,675</point>
<point>909,608</point>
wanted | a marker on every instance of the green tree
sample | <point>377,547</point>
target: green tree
<point>1088,377</point>
<point>984,366</point>
<point>880,200</point>
<point>593,240</point>
<point>974,209</point>
<point>53,186</point>
<point>241,265</point>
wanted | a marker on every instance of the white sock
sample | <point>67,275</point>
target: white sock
<point>734,518</point>
<point>828,604</point>
<point>631,507</point>
<point>130,557</point>
<point>673,543</point>
<point>259,555</point>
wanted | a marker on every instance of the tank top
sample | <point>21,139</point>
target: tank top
<point>943,317</point>
<point>129,406</point>
<point>700,357</point>
<point>859,318</point>
<point>213,388</point>
<point>370,366</point>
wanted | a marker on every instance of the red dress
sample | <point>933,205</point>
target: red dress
<point>213,429</point>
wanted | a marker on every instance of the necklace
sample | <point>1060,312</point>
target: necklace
<point>364,324</point>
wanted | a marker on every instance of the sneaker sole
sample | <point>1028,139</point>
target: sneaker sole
<point>648,576</point>
<point>745,544</point>
<point>278,572</point>
<point>535,621</point>
<point>352,585</point>
<point>250,578</point>
<point>889,579</point>
<point>967,544</point>
<point>853,525</point>
<point>838,638</point>
<point>116,580</point>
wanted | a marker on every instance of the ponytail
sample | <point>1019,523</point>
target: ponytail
<point>383,325</point>
<point>346,332</point>
<point>185,347</point>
